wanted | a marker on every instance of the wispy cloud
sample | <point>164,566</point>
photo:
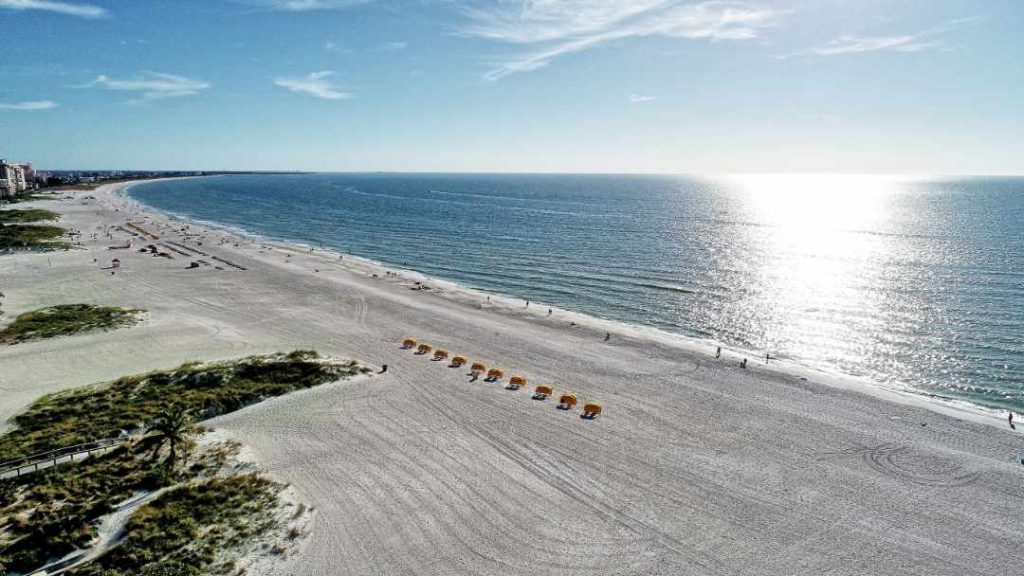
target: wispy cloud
<point>560,27</point>
<point>639,98</point>
<point>152,85</point>
<point>306,5</point>
<point>395,46</point>
<point>317,84</point>
<point>72,9</point>
<point>31,105</point>
<point>919,42</point>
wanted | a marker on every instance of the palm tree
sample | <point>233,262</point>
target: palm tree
<point>170,428</point>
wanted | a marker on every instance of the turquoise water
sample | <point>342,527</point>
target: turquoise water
<point>911,283</point>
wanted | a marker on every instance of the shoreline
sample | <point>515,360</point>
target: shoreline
<point>958,408</point>
<point>694,466</point>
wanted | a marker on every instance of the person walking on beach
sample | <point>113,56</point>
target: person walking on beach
<point>718,353</point>
<point>607,336</point>
<point>767,357</point>
<point>1010,419</point>
<point>744,363</point>
<point>527,303</point>
<point>549,311</point>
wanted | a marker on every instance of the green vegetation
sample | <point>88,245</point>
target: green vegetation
<point>207,510</point>
<point>186,530</point>
<point>27,215</point>
<point>32,237</point>
<point>64,320</point>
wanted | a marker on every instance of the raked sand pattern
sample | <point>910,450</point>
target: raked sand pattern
<point>695,467</point>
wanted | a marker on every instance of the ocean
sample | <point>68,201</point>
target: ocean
<point>912,283</point>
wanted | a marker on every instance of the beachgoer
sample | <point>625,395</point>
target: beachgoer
<point>767,357</point>
<point>475,376</point>
<point>527,303</point>
<point>607,336</point>
<point>383,369</point>
<point>744,363</point>
<point>718,353</point>
<point>549,311</point>
<point>1010,418</point>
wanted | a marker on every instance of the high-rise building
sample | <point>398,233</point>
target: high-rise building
<point>12,179</point>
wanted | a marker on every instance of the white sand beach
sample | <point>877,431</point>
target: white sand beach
<point>695,467</point>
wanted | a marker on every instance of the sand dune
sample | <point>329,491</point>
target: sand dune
<point>696,467</point>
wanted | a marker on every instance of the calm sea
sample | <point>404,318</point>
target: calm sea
<point>913,283</point>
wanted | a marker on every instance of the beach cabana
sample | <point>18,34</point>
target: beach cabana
<point>408,343</point>
<point>477,368</point>
<point>543,391</point>
<point>458,361</point>
<point>567,401</point>
<point>424,348</point>
<point>591,410</point>
<point>440,354</point>
<point>495,374</point>
<point>517,381</point>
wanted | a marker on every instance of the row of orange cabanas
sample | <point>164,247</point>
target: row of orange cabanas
<point>566,401</point>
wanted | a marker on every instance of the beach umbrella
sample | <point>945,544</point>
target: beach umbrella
<point>408,343</point>
<point>477,367</point>
<point>567,401</point>
<point>458,361</point>
<point>517,381</point>
<point>424,348</point>
<point>440,355</point>
<point>543,391</point>
<point>495,373</point>
<point>591,410</point>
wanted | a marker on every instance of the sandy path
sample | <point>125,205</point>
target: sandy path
<point>697,467</point>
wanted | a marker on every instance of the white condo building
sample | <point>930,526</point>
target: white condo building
<point>12,179</point>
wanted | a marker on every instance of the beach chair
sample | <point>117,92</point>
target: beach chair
<point>408,344</point>
<point>440,355</point>
<point>495,374</point>
<point>567,401</point>
<point>543,391</point>
<point>458,361</point>
<point>478,368</point>
<point>516,382</point>
<point>424,349</point>
<point>591,410</point>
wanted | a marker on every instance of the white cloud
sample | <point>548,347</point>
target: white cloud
<point>306,5</point>
<point>919,42</point>
<point>152,85</point>
<point>562,27</point>
<point>72,9</point>
<point>316,84</point>
<point>638,98</point>
<point>396,46</point>
<point>31,105</point>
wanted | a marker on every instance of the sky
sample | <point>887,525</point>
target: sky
<point>624,86</point>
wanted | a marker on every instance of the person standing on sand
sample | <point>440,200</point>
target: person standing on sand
<point>1010,419</point>
<point>607,336</point>
<point>527,303</point>
<point>549,311</point>
<point>718,353</point>
<point>744,363</point>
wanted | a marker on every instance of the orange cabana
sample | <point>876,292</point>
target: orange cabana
<point>517,381</point>
<point>458,361</point>
<point>495,373</point>
<point>477,367</point>
<point>543,391</point>
<point>591,410</point>
<point>424,348</point>
<point>408,343</point>
<point>567,401</point>
<point>440,355</point>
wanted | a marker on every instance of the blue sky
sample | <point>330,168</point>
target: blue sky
<point>896,86</point>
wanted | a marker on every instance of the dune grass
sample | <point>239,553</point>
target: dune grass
<point>32,237</point>
<point>66,319</point>
<point>186,530</point>
<point>27,215</point>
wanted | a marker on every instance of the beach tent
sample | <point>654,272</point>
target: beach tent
<point>477,367</point>
<point>424,348</point>
<point>458,361</point>
<point>496,374</point>
<point>567,401</point>
<point>440,355</point>
<point>591,410</point>
<point>543,391</point>
<point>517,381</point>
<point>408,343</point>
